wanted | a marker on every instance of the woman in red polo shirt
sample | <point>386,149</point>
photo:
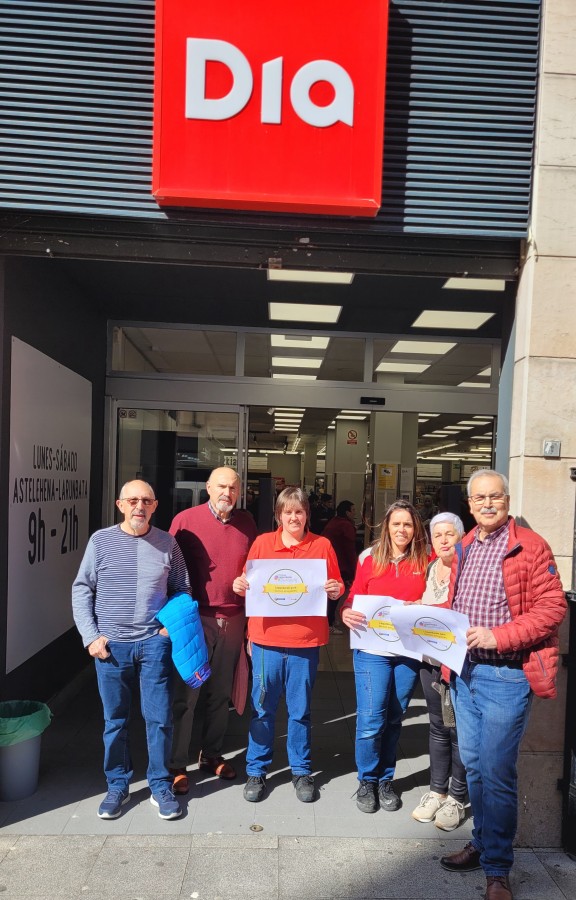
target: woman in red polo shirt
<point>285,651</point>
<point>395,566</point>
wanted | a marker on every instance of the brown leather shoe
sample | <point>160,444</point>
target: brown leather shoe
<point>497,888</point>
<point>217,765</point>
<point>465,860</point>
<point>180,784</point>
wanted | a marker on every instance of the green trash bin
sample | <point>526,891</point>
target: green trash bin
<point>21,725</point>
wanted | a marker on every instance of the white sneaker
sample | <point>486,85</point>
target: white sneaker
<point>428,807</point>
<point>450,815</point>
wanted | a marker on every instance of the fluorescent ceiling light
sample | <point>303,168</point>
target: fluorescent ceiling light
<point>429,348</point>
<point>352,418</point>
<point>299,343</point>
<point>296,362</point>
<point>485,373</point>
<point>432,415</point>
<point>331,428</point>
<point>469,422</point>
<point>423,420</point>
<point>411,368</point>
<point>473,384</point>
<point>291,409</point>
<point>287,376</point>
<point>475,284</point>
<point>458,427</point>
<point>484,418</point>
<point>487,434</point>
<point>438,434</point>
<point>310,276</point>
<point>303,312</point>
<point>352,412</point>
<point>449,318</point>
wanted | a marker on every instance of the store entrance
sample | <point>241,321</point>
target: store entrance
<point>367,458</point>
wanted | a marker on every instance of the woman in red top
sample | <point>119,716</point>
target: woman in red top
<point>285,651</point>
<point>395,566</point>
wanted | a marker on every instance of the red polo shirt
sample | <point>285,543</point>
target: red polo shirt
<point>292,631</point>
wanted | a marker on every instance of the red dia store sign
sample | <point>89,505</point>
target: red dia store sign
<point>270,106</point>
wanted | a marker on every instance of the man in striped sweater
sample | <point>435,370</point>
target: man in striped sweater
<point>125,578</point>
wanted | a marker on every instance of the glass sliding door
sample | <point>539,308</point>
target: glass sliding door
<point>175,450</point>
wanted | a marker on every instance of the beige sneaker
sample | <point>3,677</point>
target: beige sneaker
<point>450,815</point>
<point>428,807</point>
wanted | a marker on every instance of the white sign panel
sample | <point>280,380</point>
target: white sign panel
<point>439,633</point>
<point>50,439</point>
<point>294,588</point>
<point>379,635</point>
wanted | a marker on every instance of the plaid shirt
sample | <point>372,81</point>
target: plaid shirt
<point>480,593</point>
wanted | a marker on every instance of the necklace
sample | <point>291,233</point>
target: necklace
<point>439,586</point>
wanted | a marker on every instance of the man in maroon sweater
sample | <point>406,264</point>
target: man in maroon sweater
<point>214,539</point>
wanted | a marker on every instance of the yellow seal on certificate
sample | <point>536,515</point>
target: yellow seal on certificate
<point>382,626</point>
<point>285,587</point>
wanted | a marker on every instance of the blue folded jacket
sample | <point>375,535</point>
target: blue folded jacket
<point>181,618</point>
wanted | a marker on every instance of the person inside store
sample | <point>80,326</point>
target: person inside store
<point>394,566</point>
<point>504,578</point>
<point>285,651</point>
<point>126,576</point>
<point>214,539</point>
<point>341,532</point>
<point>444,803</point>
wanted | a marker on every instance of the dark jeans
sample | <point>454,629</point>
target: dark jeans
<point>443,743</point>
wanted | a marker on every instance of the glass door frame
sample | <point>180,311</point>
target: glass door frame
<point>113,404</point>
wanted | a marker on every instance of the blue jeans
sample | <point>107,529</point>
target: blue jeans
<point>492,704</point>
<point>384,687</point>
<point>150,662</point>
<point>276,671</point>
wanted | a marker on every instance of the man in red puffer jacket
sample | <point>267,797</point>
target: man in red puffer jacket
<point>504,578</point>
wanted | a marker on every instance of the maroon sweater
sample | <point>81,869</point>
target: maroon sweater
<point>215,554</point>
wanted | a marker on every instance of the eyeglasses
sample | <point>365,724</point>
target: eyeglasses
<point>133,501</point>
<point>481,499</point>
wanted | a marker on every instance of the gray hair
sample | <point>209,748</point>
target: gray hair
<point>451,519</point>
<point>479,473</point>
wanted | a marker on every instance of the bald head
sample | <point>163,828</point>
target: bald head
<point>137,504</point>
<point>223,487</point>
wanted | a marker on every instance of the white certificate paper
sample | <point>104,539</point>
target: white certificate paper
<point>380,635</point>
<point>293,588</point>
<point>432,631</point>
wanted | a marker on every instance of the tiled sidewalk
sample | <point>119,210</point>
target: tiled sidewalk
<point>54,845</point>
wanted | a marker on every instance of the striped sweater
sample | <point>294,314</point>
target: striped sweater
<point>123,581</point>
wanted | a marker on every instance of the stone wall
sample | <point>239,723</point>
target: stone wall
<point>544,393</point>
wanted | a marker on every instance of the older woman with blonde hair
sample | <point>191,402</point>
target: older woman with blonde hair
<point>395,566</point>
<point>285,650</point>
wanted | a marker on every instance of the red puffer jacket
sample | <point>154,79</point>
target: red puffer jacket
<point>537,605</point>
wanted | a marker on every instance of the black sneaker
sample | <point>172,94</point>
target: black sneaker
<point>367,797</point>
<point>304,785</point>
<point>255,788</point>
<point>389,799</point>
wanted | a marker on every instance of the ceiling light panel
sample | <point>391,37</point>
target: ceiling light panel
<point>428,348</point>
<point>299,343</point>
<point>473,384</point>
<point>310,276</point>
<point>449,318</point>
<point>288,376</point>
<point>296,362</point>
<point>303,312</point>
<point>408,368</point>
<point>474,284</point>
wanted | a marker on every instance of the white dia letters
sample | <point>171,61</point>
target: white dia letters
<point>199,51</point>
